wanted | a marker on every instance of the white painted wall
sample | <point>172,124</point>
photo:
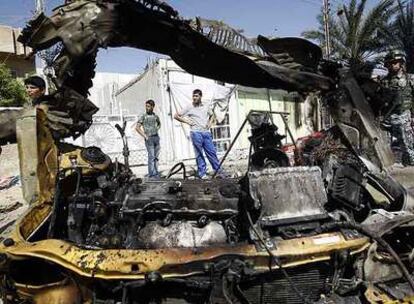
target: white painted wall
<point>104,85</point>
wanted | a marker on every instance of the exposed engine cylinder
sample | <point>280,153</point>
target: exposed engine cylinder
<point>154,214</point>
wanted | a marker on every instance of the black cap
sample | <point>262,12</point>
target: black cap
<point>35,81</point>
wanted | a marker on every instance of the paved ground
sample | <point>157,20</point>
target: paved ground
<point>9,162</point>
<point>405,176</point>
<point>12,204</point>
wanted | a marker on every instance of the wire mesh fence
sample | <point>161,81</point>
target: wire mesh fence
<point>103,134</point>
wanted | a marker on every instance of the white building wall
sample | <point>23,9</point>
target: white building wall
<point>103,89</point>
<point>146,86</point>
<point>104,85</point>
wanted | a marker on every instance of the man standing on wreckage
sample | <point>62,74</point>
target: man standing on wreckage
<point>399,113</point>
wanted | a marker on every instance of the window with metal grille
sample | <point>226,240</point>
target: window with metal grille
<point>14,73</point>
<point>221,135</point>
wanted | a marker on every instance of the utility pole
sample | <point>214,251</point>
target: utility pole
<point>326,26</point>
<point>40,6</point>
<point>44,55</point>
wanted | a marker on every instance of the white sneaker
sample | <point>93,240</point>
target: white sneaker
<point>204,177</point>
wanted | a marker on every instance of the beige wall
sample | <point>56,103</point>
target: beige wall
<point>14,54</point>
<point>19,66</point>
<point>258,99</point>
<point>9,43</point>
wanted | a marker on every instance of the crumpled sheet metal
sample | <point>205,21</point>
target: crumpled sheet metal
<point>383,222</point>
<point>221,34</point>
<point>83,26</point>
<point>355,118</point>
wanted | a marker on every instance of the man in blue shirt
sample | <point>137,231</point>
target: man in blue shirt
<point>147,126</point>
<point>199,117</point>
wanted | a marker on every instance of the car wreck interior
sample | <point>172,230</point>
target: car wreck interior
<point>334,227</point>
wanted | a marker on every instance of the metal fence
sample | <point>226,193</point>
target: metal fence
<point>104,135</point>
<point>221,135</point>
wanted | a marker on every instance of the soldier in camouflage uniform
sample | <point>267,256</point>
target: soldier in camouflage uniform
<point>399,115</point>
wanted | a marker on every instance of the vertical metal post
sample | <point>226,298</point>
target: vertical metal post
<point>166,86</point>
<point>40,6</point>
<point>288,130</point>
<point>231,146</point>
<point>113,98</point>
<point>326,27</point>
<point>269,99</point>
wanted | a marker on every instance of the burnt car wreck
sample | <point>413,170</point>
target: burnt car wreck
<point>335,228</point>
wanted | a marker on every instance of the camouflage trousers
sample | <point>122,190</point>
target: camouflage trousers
<point>402,132</point>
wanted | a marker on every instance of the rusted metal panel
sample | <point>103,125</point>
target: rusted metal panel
<point>116,264</point>
<point>26,127</point>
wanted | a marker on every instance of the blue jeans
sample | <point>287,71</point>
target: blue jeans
<point>153,148</point>
<point>203,141</point>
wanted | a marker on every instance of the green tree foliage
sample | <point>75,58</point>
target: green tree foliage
<point>400,35</point>
<point>355,31</point>
<point>12,92</point>
<point>318,35</point>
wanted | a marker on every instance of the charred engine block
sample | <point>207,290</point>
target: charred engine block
<point>152,214</point>
<point>105,206</point>
<point>140,214</point>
